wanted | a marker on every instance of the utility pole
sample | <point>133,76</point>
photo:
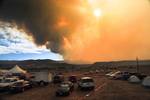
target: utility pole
<point>137,67</point>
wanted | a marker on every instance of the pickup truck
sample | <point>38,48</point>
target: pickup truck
<point>20,86</point>
<point>6,83</point>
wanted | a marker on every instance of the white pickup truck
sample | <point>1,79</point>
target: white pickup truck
<point>6,83</point>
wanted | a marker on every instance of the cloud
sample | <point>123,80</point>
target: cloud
<point>15,41</point>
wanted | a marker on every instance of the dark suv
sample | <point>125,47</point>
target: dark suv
<point>58,78</point>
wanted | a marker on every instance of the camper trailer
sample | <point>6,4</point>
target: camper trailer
<point>42,77</point>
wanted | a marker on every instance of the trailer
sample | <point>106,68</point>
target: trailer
<point>41,77</point>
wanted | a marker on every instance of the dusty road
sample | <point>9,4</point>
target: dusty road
<point>105,90</point>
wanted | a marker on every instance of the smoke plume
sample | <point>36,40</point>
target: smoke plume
<point>69,27</point>
<point>39,18</point>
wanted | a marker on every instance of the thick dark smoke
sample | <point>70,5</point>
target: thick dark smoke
<point>38,17</point>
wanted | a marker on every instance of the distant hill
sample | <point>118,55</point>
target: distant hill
<point>123,63</point>
<point>40,64</point>
<point>50,64</point>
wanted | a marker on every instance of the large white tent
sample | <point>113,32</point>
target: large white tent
<point>17,69</point>
<point>134,79</point>
<point>146,81</point>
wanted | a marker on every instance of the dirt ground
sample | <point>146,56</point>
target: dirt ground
<point>106,89</point>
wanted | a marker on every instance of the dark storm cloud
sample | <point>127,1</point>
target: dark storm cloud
<point>38,17</point>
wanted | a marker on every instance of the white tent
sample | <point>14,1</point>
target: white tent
<point>134,79</point>
<point>17,69</point>
<point>146,81</point>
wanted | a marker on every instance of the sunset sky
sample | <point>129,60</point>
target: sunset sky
<point>78,31</point>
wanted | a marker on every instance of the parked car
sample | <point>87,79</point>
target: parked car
<point>109,74</point>
<point>6,83</point>
<point>71,85</point>
<point>97,71</point>
<point>125,75</point>
<point>65,89</point>
<point>86,83</point>
<point>72,78</point>
<point>139,75</point>
<point>58,78</point>
<point>115,75</point>
<point>20,86</point>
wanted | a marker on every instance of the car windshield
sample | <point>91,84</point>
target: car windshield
<point>64,86</point>
<point>111,72</point>
<point>57,77</point>
<point>0,80</point>
<point>18,84</point>
<point>87,80</point>
<point>117,72</point>
<point>7,80</point>
<point>66,83</point>
<point>72,76</point>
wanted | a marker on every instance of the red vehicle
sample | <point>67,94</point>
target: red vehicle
<point>72,79</point>
<point>58,79</point>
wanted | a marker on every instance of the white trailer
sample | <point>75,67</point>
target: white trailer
<point>42,77</point>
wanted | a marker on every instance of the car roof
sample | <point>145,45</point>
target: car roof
<point>64,85</point>
<point>11,78</point>
<point>73,75</point>
<point>86,78</point>
<point>21,81</point>
<point>67,82</point>
<point>117,71</point>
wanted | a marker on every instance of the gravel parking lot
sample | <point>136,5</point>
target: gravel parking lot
<point>106,89</point>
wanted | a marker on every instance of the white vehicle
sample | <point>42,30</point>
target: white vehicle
<point>109,74</point>
<point>6,83</point>
<point>86,83</point>
<point>115,74</point>
<point>42,78</point>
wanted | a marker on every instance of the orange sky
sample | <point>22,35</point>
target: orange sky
<point>84,31</point>
<point>120,31</point>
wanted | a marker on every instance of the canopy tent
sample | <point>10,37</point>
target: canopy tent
<point>134,79</point>
<point>17,69</point>
<point>146,81</point>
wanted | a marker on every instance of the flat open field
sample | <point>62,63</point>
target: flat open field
<point>106,89</point>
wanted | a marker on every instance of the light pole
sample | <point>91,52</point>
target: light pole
<point>137,67</point>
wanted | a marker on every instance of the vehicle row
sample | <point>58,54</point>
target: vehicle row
<point>14,84</point>
<point>67,87</point>
<point>124,75</point>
